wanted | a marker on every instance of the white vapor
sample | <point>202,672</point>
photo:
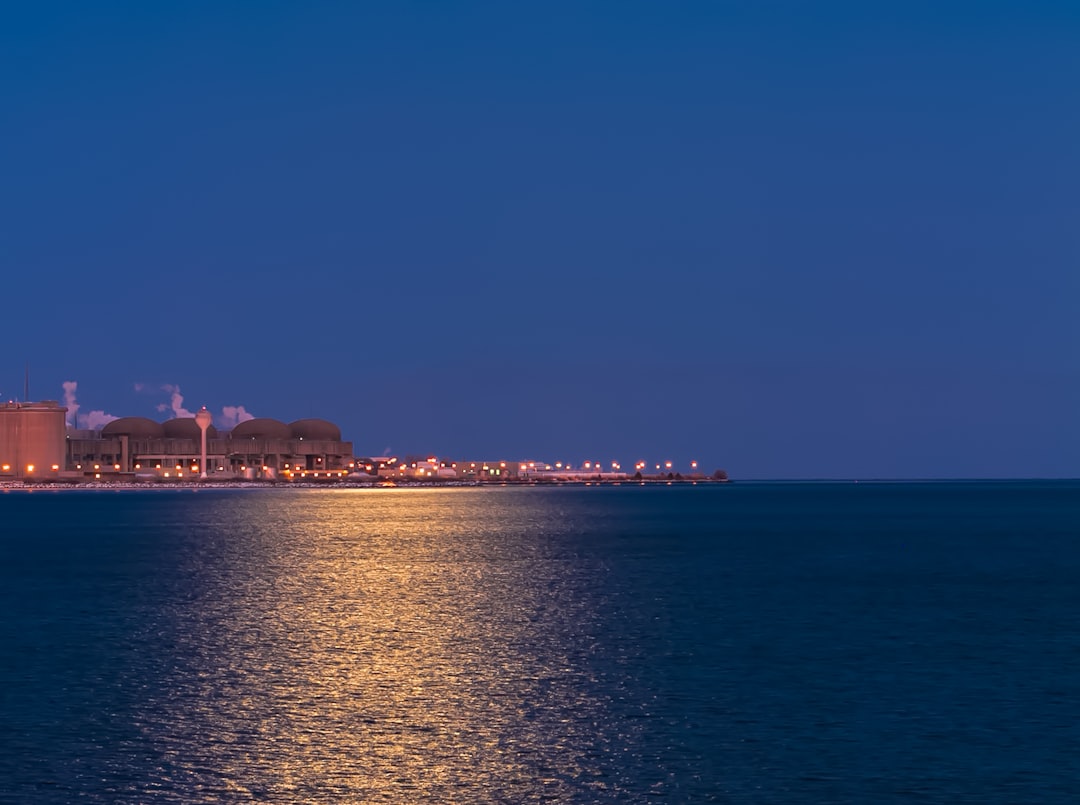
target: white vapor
<point>96,419</point>
<point>230,416</point>
<point>176,402</point>
<point>233,415</point>
<point>91,421</point>
<point>72,404</point>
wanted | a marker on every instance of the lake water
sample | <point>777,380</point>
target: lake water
<point>739,643</point>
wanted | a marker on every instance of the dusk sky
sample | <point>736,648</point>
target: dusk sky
<point>789,239</point>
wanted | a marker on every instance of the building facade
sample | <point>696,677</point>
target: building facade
<point>32,443</point>
<point>35,444</point>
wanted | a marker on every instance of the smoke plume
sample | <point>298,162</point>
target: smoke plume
<point>176,402</point>
<point>72,404</point>
<point>233,415</point>
<point>230,416</point>
<point>92,421</point>
<point>96,420</point>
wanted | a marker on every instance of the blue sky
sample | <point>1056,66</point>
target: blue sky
<point>788,239</point>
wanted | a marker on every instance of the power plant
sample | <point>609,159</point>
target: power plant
<point>33,441</point>
<point>36,444</point>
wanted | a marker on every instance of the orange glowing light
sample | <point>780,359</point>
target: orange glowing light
<point>6,467</point>
<point>29,467</point>
<point>55,467</point>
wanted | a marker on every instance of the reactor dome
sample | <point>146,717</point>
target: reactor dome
<point>261,428</point>
<point>315,429</point>
<point>186,428</point>
<point>136,426</point>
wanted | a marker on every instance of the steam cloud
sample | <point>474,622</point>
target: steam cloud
<point>92,421</point>
<point>176,402</point>
<point>96,420</point>
<point>230,416</point>
<point>69,400</point>
<point>233,415</point>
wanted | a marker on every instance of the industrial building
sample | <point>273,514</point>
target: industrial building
<point>35,444</point>
<point>32,439</point>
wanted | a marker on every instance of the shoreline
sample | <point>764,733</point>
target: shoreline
<point>84,486</point>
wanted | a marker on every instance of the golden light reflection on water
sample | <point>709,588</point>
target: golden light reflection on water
<point>383,647</point>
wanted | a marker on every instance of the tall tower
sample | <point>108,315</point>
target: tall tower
<point>204,419</point>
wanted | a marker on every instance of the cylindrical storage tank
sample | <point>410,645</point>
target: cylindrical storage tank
<point>32,440</point>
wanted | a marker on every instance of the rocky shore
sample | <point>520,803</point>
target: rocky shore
<point>146,486</point>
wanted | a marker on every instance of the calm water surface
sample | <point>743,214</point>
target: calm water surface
<point>745,643</point>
